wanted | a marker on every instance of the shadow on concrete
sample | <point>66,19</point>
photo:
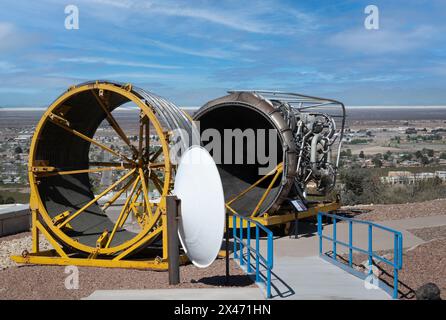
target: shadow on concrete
<point>404,291</point>
<point>233,281</point>
<point>306,228</point>
<point>276,292</point>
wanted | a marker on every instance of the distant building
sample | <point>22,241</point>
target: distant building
<point>407,177</point>
<point>23,137</point>
<point>441,175</point>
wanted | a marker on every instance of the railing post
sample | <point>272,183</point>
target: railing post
<point>396,255</point>
<point>334,238</point>
<point>400,246</point>
<point>248,246</point>
<point>173,243</point>
<point>370,249</point>
<point>257,254</point>
<point>242,249</point>
<point>234,234</point>
<point>227,247</point>
<point>269,265</point>
<point>319,231</point>
<point>350,243</point>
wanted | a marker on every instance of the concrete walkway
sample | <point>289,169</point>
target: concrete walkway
<point>307,244</point>
<point>309,278</point>
<point>299,273</point>
<point>179,294</point>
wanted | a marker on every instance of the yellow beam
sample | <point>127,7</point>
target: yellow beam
<point>118,223</point>
<point>267,191</point>
<point>278,219</point>
<point>103,238</point>
<point>55,172</point>
<point>279,166</point>
<point>154,264</point>
<point>103,193</point>
<point>117,194</point>
<point>112,121</point>
<point>58,121</point>
<point>34,231</point>
<point>125,253</point>
<point>55,245</point>
<point>110,164</point>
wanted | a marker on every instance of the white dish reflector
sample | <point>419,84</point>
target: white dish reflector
<point>201,225</point>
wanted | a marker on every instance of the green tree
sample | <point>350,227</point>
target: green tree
<point>377,162</point>
<point>360,186</point>
<point>9,200</point>
<point>406,156</point>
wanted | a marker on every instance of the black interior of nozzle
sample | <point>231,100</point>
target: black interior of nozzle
<point>238,177</point>
<point>65,151</point>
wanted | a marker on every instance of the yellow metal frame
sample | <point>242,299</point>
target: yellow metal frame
<point>58,256</point>
<point>152,225</point>
<point>53,229</point>
<point>279,217</point>
<point>283,218</point>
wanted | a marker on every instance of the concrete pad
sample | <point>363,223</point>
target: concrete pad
<point>382,240</point>
<point>179,294</point>
<point>14,218</point>
<point>308,244</point>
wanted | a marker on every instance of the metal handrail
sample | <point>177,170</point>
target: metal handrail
<point>398,244</point>
<point>240,244</point>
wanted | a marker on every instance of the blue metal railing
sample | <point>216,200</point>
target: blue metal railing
<point>240,246</point>
<point>397,245</point>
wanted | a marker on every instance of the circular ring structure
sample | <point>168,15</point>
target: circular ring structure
<point>248,111</point>
<point>61,166</point>
<point>299,158</point>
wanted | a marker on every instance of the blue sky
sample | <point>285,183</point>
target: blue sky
<point>193,51</point>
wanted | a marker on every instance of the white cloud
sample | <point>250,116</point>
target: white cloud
<point>384,40</point>
<point>114,62</point>
<point>116,3</point>
<point>216,54</point>
<point>8,68</point>
<point>10,37</point>
<point>227,19</point>
<point>253,16</point>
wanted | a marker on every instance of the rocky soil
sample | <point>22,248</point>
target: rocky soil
<point>381,212</point>
<point>48,282</point>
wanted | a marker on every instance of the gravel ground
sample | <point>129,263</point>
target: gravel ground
<point>48,282</point>
<point>15,245</point>
<point>381,212</point>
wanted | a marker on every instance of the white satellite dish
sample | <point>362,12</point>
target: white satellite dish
<point>201,225</point>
